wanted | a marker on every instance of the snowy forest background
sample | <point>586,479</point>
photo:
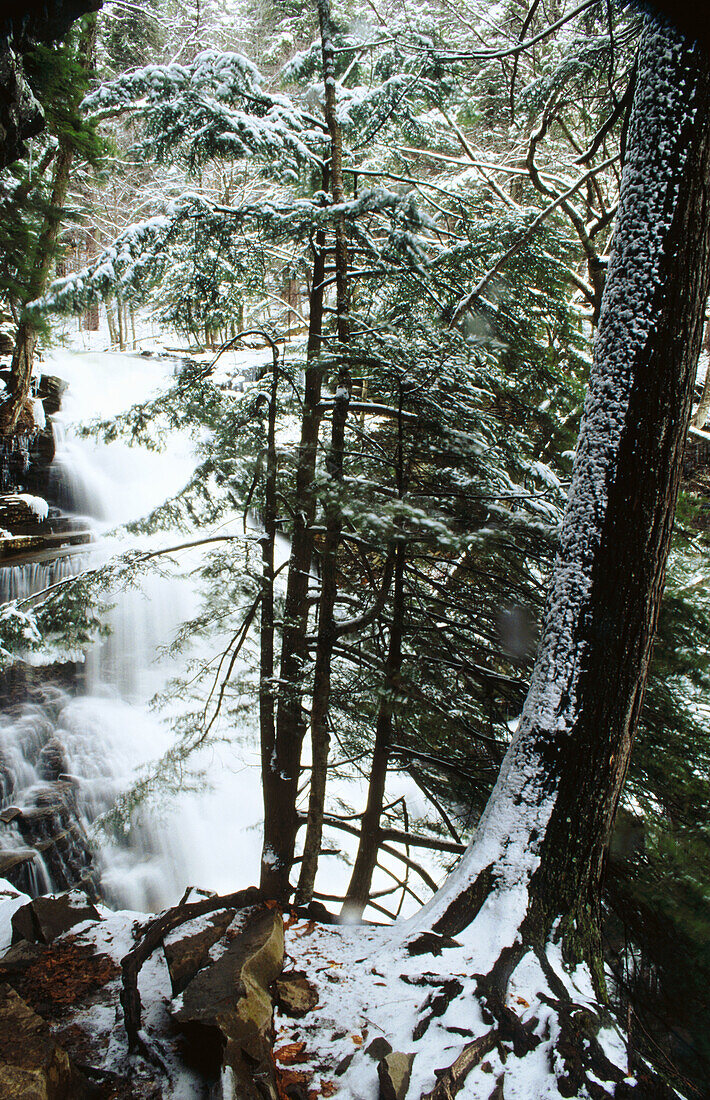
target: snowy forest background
<point>415,253</point>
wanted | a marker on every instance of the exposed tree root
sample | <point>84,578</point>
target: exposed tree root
<point>452,1080</point>
<point>580,1064</point>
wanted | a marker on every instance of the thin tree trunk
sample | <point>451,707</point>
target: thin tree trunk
<point>280,776</point>
<point>320,738</point>
<point>266,670</point>
<point>700,415</point>
<point>112,334</point>
<point>27,333</point>
<point>543,837</point>
<point>370,830</point>
<point>119,323</point>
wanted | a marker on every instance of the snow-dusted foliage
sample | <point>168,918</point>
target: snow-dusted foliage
<point>215,106</point>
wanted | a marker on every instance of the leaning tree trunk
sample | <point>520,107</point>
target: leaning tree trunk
<point>543,837</point>
<point>358,893</point>
<point>26,339</point>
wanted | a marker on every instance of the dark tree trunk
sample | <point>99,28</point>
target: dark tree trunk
<point>280,776</point>
<point>267,727</point>
<point>281,820</point>
<point>545,831</point>
<point>370,829</point>
<point>320,739</point>
<point>45,251</point>
<point>26,339</point>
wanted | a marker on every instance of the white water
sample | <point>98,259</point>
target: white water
<point>208,838</point>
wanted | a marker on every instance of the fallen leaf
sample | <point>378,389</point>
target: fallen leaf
<point>328,1088</point>
<point>522,1001</point>
<point>288,1077</point>
<point>357,1039</point>
<point>291,1053</point>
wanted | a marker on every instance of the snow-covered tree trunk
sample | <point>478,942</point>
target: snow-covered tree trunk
<point>537,858</point>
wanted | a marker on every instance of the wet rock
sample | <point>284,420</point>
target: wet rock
<point>43,449</point>
<point>45,918</point>
<point>394,1072</point>
<point>225,1012</point>
<point>51,390</point>
<point>295,995</point>
<point>18,516</point>
<point>52,762</point>
<point>14,460</point>
<point>32,1065</point>
<point>50,823</point>
<point>187,952</point>
<point>17,866</point>
<point>378,1049</point>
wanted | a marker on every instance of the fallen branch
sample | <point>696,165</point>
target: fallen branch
<point>152,935</point>
<point>451,1080</point>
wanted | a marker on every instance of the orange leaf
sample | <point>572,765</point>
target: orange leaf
<point>291,1053</point>
<point>291,1077</point>
<point>357,1039</point>
<point>522,1001</point>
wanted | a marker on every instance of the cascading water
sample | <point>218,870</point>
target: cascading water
<point>72,747</point>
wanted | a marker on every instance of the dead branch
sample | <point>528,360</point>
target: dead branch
<point>152,935</point>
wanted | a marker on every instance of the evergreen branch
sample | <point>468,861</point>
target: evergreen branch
<point>525,237</point>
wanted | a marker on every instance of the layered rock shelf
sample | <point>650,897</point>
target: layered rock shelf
<point>30,522</point>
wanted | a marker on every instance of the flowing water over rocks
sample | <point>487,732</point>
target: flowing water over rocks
<point>73,734</point>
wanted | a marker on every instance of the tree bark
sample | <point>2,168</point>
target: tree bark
<point>320,738</point>
<point>371,835</point>
<point>280,777</point>
<point>267,727</point>
<point>543,837</point>
<point>26,339</point>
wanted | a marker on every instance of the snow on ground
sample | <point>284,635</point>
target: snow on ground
<point>10,899</point>
<point>370,988</point>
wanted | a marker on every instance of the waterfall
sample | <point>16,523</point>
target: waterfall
<point>74,736</point>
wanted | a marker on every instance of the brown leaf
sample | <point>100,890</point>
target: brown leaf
<point>291,1053</point>
<point>288,1077</point>
<point>357,1039</point>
